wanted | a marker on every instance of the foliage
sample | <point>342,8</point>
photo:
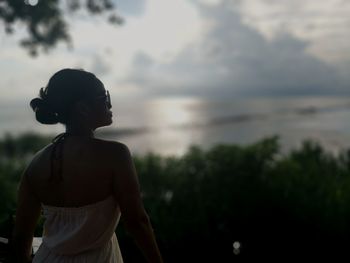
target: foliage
<point>45,21</point>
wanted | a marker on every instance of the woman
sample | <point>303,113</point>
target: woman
<point>81,184</point>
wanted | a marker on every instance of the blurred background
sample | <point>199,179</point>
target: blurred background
<point>192,80</point>
<point>182,72</point>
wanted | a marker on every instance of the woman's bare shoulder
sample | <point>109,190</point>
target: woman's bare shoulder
<point>109,149</point>
<point>113,146</point>
<point>111,143</point>
<point>42,152</point>
<point>36,159</point>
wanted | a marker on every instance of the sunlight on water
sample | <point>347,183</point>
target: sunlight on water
<point>166,112</point>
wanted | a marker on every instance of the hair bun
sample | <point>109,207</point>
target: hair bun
<point>43,112</point>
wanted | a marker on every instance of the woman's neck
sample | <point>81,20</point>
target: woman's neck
<point>79,131</point>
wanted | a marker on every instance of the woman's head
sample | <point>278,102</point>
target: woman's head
<point>72,95</point>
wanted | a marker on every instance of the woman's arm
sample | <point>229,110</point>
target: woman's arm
<point>27,214</point>
<point>127,191</point>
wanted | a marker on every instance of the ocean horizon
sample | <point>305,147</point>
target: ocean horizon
<point>168,126</point>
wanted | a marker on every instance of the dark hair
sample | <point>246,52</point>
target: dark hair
<point>64,89</point>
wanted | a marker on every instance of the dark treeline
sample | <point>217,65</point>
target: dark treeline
<point>276,206</point>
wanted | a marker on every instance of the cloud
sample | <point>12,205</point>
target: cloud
<point>233,58</point>
<point>202,48</point>
<point>99,65</point>
<point>131,8</point>
<point>324,24</point>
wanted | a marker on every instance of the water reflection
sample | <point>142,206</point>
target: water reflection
<point>171,112</point>
<point>163,118</point>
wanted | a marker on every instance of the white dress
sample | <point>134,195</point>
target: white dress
<point>80,234</point>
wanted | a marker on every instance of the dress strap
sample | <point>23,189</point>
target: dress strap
<point>57,157</point>
<point>60,137</point>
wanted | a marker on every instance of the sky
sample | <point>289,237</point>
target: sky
<point>200,48</point>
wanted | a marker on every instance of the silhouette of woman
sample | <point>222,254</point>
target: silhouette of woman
<point>81,184</point>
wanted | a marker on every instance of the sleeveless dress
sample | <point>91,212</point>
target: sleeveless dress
<point>80,234</point>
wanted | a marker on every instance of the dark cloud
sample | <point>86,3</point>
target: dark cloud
<point>234,59</point>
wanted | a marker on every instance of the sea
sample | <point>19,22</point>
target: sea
<point>170,125</point>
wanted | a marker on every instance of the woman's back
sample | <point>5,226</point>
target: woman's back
<point>87,173</point>
<point>80,211</point>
